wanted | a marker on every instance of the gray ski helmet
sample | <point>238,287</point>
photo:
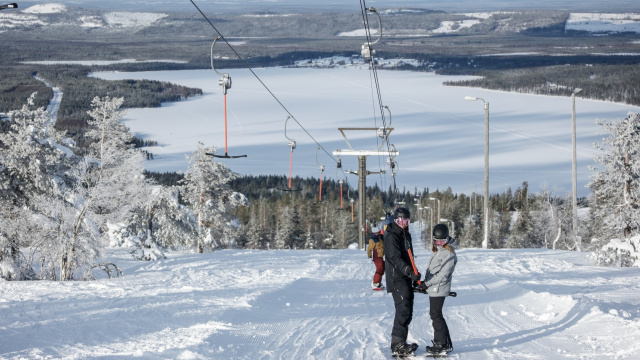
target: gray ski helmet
<point>440,231</point>
<point>402,213</point>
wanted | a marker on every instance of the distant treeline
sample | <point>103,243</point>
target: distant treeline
<point>78,92</point>
<point>616,83</point>
<point>17,86</point>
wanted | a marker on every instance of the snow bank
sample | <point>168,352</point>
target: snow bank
<point>621,252</point>
<point>448,27</point>
<point>45,9</point>
<point>603,22</point>
<point>132,19</point>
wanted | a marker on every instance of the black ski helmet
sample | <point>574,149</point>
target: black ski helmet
<point>440,231</point>
<point>402,213</point>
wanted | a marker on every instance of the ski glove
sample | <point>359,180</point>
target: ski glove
<point>422,287</point>
<point>410,273</point>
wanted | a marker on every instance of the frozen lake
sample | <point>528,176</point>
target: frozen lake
<point>439,135</point>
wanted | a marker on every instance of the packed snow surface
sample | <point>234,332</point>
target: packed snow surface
<point>317,304</point>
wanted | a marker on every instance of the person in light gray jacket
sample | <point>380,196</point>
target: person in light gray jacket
<point>437,284</point>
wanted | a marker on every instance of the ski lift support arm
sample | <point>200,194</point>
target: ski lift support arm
<point>372,153</point>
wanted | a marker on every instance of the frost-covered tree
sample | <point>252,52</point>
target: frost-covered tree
<point>253,232</point>
<point>309,242</point>
<point>520,236</point>
<point>169,222</point>
<point>471,233</point>
<point>547,224</point>
<point>69,238</point>
<point>119,181</point>
<point>344,233</point>
<point>616,183</point>
<point>30,164</point>
<point>105,187</point>
<point>162,223</point>
<point>207,192</point>
<point>288,229</point>
<point>105,126</point>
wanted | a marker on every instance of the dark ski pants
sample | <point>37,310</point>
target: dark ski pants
<point>403,301</point>
<point>440,328</point>
<point>377,278</point>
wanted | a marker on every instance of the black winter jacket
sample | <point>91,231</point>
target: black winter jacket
<point>397,261</point>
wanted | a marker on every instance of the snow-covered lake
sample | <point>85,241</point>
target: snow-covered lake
<point>439,135</point>
<point>257,304</point>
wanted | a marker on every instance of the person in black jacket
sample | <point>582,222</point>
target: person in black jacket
<point>400,275</point>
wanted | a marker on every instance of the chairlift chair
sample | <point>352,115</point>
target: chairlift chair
<point>225,82</point>
<point>292,145</point>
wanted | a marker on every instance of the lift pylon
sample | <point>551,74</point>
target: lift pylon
<point>362,173</point>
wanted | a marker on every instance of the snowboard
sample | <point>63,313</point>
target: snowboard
<point>419,356</point>
<point>436,356</point>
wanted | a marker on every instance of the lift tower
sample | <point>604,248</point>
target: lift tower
<point>362,172</point>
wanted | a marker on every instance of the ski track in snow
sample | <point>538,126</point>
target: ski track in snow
<point>249,304</point>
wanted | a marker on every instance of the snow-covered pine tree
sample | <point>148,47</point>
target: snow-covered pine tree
<point>174,224</point>
<point>163,223</point>
<point>344,232</point>
<point>288,228</point>
<point>520,231</point>
<point>120,187</point>
<point>309,242</point>
<point>207,192</point>
<point>30,164</point>
<point>253,232</point>
<point>546,220</point>
<point>616,185</point>
<point>471,233</point>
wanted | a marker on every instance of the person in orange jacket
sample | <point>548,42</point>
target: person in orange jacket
<point>376,252</point>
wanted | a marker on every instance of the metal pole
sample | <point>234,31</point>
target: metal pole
<point>362,189</point>
<point>485,241</point>
<point>576,239</point>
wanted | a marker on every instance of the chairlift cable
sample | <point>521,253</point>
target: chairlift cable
<point>374,71</point>
<point>261,82</point>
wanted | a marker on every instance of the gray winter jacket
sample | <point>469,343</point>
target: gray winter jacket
<point>441,266</point>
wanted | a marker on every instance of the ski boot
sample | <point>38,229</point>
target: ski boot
<point>402,349</point>
<point>439,349</point>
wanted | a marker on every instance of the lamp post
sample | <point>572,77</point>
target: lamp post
<point>418,208</point>
<point>485,241</point>
<point>438,200</point>
<point>576,239</point>
<point>9,6</point>
<point>428,233</point>
<point>453,226</point>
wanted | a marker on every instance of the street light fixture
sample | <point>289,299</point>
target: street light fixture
<point>576,239</point>
<point>485,241</point>
<point>434,199</point>
<point>9,6</point>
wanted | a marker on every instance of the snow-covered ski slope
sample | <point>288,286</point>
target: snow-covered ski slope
<point>292,304</point>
